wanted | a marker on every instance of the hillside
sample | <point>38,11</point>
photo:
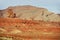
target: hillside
<point>30,13</point>
<point>29,23</point>
<point>18,29</point>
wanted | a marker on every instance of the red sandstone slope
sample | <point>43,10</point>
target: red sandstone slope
<point>29,29</point>
<point>24,23</point>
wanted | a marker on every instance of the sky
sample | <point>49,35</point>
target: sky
<point>51,5</point>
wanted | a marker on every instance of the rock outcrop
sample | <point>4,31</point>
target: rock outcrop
<point>29,23</point>
<point>30,13</point>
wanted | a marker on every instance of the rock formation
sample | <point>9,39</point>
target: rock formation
<point>30,13</point>
<point>29,23</point>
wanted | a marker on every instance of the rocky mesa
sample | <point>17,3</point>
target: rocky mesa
<point>29,13</point>
<point>29,23</point>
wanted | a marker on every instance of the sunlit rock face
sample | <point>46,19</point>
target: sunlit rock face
<point>30,13</point>
<point>29,29</point>
<point>29,23</point>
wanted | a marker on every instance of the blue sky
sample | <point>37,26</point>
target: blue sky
<point>52,5</point>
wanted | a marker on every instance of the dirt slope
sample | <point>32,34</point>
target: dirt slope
<point>28,29</point>
<point>29,23</point>
<point>30,13</point>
